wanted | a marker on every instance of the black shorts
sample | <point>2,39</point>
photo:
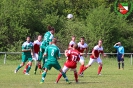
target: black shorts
<point>119,57</point>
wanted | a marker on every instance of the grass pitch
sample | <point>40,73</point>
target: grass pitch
<point>111,77</point>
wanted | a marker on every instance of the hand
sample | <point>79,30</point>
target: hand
<point>85,55</point>
<point>122,57</point>
<point>81,54</point>
<point>104,55</point>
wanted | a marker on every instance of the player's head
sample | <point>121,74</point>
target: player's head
<point>39,38</point>
<point>82,40</point>
<point>100,42</point>
<point>73,38</point>
<point>28,38</point>
<point>51,29</point>
<point>54,41</point>
<point>75,46</point>
<point>119,43</point>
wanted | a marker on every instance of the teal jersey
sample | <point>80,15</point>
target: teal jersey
<point>53,53</point>
<point>120,49</point>
<point>48,36</point>
<point>26,46</point>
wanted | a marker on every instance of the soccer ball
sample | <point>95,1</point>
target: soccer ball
<point>70,16</point>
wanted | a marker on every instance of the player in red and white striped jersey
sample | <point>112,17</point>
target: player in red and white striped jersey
<point>82,46</point>
<point>37,44</point>
<point>73,56</point>
<point>95,57</point>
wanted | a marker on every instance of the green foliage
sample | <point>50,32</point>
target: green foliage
<point>93,19</point>
<point>103,24</point>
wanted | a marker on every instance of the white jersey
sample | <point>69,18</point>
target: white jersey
<point>82,47</point>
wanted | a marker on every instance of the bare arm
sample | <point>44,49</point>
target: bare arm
<point>86,52</point>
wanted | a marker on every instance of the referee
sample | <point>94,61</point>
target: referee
<point>120,54</point>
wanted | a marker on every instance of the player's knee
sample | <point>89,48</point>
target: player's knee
<point>100,64</point>
<point>22,64</point>
<point>75,71</point>
<point>30,63</point>
<point>82,63</point>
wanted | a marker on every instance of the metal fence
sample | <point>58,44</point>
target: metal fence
<point>5,55</point>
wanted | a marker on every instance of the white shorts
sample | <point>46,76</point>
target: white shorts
<point>81,59</point>
<point>98,60</point>
<point>65,69</point>
<point>35,56</point>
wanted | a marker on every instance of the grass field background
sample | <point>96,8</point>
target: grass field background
<point>111,77</point>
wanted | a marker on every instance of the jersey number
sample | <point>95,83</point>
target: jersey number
<point>52,53</point>
<point>74,58</point>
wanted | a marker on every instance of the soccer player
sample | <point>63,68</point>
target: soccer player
<point>36,47</point>
<point>53,53</point>
<point>73,56</point>
<point>95,57</point>
<point>27,54</point>
<point>37,44</point>
<point>48,36</point>
<point>82,46</point>
<point>120,54</point>
<point>72,42</point>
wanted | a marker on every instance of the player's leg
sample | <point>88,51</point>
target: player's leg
<point>64,69</point>
<point>38,64</point>
<point>24,59</point>
<point>58,67</point>
<point>81,66</point>
<point>75,75</point>
<point>118,59</point>
<point>91,61</point>
<point>30,64</point>
<point>44,75</point>
<point>99,61</point>
<point>122,60</point>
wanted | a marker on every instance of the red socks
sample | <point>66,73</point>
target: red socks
<point>58,78</point>
<point>81,69</point>
<point>99,69</point>
<point>76,76</point>
<point>39,66</point>
<point>25,68</point>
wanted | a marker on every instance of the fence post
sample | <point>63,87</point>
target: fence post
<point>131,58</point>
<point>5,59</point>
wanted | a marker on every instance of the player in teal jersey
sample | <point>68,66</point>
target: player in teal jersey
<point>53,53</point>
<point>48,36</point>
<point>27,53</point>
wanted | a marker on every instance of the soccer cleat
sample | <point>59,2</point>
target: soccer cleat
<point>56,82</point>
<point>99,74</point>
<point>81,75</point>
<point>27,73</point>
<point>77,81</point>
<point>15,71</point>
<point>35,72</point>
<point>41,82</point>
<point>24,71</point>
<point>68,82</point>
<point>40,71</point>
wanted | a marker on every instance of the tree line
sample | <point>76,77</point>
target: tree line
<point>93,19</point>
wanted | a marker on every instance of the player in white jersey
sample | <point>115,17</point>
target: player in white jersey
<point>37,44</point>
<point>82,46</point>
<point>95,57</point>
<point>72,42</point>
